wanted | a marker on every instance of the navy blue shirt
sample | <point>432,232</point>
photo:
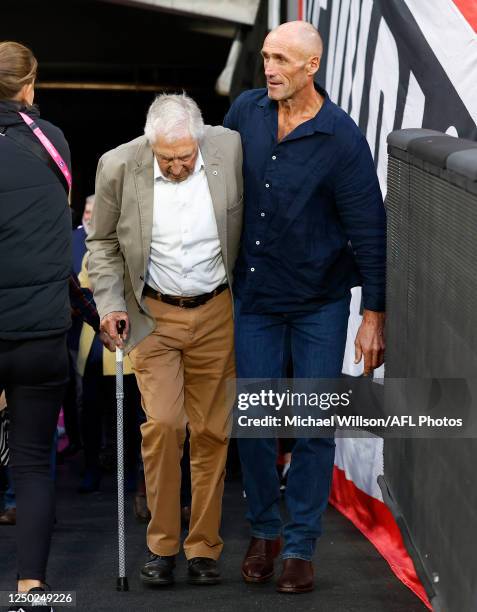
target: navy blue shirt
<point>314,222</point>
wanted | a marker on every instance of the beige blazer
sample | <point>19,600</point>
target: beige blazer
<point>120,237</point>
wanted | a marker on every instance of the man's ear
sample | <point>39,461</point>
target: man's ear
<point>313,65</point>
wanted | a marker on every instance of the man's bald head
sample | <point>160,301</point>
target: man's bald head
<point>300,35</point>
<point>291,57</point>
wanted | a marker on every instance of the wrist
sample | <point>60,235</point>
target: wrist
<point>374,317</point>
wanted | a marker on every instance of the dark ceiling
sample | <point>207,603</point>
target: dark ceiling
<point>85,41</point>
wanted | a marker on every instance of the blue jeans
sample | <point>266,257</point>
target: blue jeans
<point>316,342</point>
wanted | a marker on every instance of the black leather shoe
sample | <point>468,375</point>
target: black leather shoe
<point>203,571</point>
<point>158,571</point>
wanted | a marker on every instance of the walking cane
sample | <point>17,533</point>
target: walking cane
<point>122,581</point>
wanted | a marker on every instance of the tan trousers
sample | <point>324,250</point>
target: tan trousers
<point>181,369</point>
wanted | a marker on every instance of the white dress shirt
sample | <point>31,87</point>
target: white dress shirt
<point>185,257</point>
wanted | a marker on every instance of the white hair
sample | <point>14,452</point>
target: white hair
<point>172,117</point>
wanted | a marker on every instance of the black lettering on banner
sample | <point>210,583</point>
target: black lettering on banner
<point>343,23</point>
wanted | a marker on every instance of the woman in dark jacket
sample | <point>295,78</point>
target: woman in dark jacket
<point>35,264</point>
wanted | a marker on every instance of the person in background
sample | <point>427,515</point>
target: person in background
<point>72,399</point>
<point>97,368</point>
<point>314,227</point>
<point>80,233</point>
<point>35,251</point>
<point>87,213</point>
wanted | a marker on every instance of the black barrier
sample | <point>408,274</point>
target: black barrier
<point>431,485</point>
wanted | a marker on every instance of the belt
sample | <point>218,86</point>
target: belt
<point>183,302</point>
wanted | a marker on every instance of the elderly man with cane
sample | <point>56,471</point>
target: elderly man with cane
<point>164,239</point>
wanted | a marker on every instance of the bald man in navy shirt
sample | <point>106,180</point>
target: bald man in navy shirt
<point>314,227</point>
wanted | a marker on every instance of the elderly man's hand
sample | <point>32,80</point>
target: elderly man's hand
<point>370,341</point>
<point>107,341</point>
<point>109,324</point>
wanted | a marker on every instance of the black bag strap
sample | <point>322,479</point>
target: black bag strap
<point>34,146</point>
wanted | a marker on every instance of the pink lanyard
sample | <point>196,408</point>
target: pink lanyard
<point>49,147</point>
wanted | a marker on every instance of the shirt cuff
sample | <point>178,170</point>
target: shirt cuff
<point>374,302</point>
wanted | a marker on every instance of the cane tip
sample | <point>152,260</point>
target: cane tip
<point>122,584</point>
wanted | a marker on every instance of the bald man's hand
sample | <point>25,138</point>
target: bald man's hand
<point>109,324</point>
<point>370,341</point>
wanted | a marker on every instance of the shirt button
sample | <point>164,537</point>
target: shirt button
<point>274,157</point>
<point>252,269</point>
<point>257,242</point>
<point>267,185</point>
<point>262,214</point>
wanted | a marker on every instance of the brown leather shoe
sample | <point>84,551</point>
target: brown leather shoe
<point>9,517</point>
<point>141,511</point>
<point>297,576</point>
<point>257,565</point>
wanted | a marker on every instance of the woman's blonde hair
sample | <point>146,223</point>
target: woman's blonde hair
<point>18,67</point>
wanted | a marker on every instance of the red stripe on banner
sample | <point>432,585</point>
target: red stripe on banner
<point>373,518</point>
<point>468,8</point>
<point>300,10</point>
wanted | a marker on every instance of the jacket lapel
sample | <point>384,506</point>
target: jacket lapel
<point>218,192</point>
<point>144,181</point>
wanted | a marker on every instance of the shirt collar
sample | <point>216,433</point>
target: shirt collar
<point>199,164</point>
<point>324,119</point>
